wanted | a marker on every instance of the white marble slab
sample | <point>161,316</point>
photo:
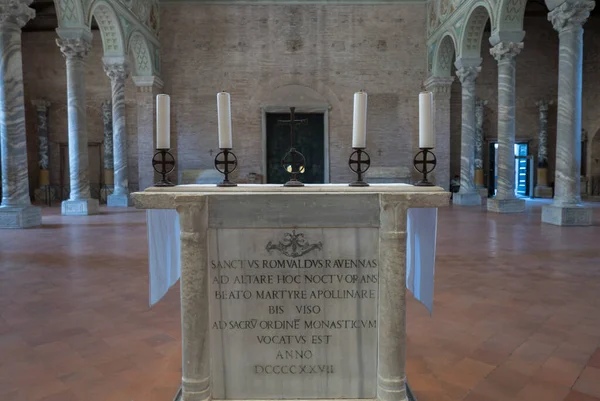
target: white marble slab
<point>293,319</point>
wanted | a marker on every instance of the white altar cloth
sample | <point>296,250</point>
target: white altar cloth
<point>165,268</point>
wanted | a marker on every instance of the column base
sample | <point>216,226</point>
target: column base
<point>80,207</point>
<point>483,192</point>
<point>467,199</point>
<point>542,191</point>
<point>505,205</point>
<point>567,215</point>
<point>20,217</point>
<point>118,201</point>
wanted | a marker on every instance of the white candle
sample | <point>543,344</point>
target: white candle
<point>359,131</point>
<point>163,122</point>
<point>426,123</point>
<point>224,113</point>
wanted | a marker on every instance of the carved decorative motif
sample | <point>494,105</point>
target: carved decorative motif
<point>446,55</point>
<point>468,75</point>
<point>117,71</point>
<point>111,35</point>
<point>16,12</point>
<point>514,10</point>
<point>475,28</point>
<point>506,50</point>
<point>571,15</point>
<point>74,48</point>
<point>68,10</point>
<point>141,55</point>
<point>293,245</point>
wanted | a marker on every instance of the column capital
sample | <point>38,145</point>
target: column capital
<point>15,13</point>
<point>148,83</point>
<point>468,75</point>
<point>41,104</point>
<point>107,104</point>
<point>506,51</point>
<point>571,14</point>
<point>480,102</point>
<point>440,86</point>
<point>117,71</point>
<point>74,48</point>
<point>543,104</point>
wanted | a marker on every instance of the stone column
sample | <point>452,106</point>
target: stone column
<point>467,194</point>
<point>109,177</point>
<point>479,113</point>
<point>16,210</point>
<point>41,108</point>
<point>148,88</point>
<point>80,202</point>
<point>195,334</point>
<point>542,189</point>
<point>441,88</point>
<point>391,359</point>
<point>567,210</point>
<point>505,200</point>
<point>118,73</point>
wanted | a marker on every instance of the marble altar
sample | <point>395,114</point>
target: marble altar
<point>293,293</point>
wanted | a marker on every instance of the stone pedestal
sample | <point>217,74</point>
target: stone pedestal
<point>505,200</point>
<point>468,199</point>
<point>16,210</point>
<point>568,19</point>
<point>148,88</point>
<point>80,201</point>
<point>567,215</point>
<point>80,207</point>
<point>467,195</point>
<point>118,73</point>
<point>505,205</point>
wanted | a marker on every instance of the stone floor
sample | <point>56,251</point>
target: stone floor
<point>516,316</point>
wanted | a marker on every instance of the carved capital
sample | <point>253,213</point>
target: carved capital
<point>148,84</point>
<point>504,51</point>
<point>571,14</point>
<point>439,86</point>
<point>74,48</point>
<point>41,105</point>
<point>543,105</point>
<point>117,71</point>
<point>15,13</point>
<point>468,75</point>
<point>107,106</point>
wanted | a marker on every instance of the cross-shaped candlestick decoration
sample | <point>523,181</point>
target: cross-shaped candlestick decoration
<point>293,162</point>
<point>163,163</point>
<point>359,162</point>
<point>425,165</point>
<point>226,163</point>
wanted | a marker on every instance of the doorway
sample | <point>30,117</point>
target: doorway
<point>310,140</point>
<point>523,170</point>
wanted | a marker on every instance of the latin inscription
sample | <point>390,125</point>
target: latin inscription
<point>304,320</point>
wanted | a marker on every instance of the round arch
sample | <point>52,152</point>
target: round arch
<point>470,41</point>
<point>110,28</point>
<point>140,53</point>
<point>444,56</point>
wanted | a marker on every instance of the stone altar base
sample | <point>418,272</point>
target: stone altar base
<point>505,205</point>
<point>567,215</point>
<point>80,207</point>
<point>118,201</point>
<point>467,199</point>
<point>542,192</point>
<point>20,217</point>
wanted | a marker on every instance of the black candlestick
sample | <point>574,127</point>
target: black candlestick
<point>228,161</point>
<point>294,163</point>
<point>425,165</point>
<point>166,161</point>
<point>359,162</point>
